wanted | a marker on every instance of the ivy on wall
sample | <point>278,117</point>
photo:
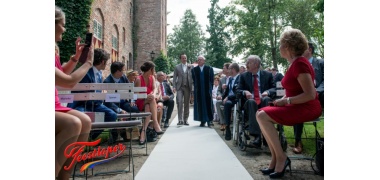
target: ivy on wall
<point>77,18</point>
<point>135,27</point>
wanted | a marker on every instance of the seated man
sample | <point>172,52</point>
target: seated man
<point>94,75</point>
<point>123,106</point>
<point>117,76</point>
<point>255,85</point>
<point>229,97</point>
<point>219,100</point>
<point>167,97</point>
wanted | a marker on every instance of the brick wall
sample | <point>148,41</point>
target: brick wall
<point>116,19</point>
<point>151,32</point>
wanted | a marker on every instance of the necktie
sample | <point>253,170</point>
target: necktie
<point>162,89</point>
<point>230,85</point>
<point>256,90</point>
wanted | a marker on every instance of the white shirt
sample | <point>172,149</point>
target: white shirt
<point>184,67</point>
<point>201,67</point>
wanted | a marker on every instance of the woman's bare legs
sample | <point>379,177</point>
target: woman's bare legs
<point>160,109</point>
<point>270,133</point>
<point>70,127</point>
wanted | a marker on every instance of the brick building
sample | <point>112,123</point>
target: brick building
<point>113,23</point>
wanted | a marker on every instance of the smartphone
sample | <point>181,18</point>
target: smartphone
<point>88,41</point>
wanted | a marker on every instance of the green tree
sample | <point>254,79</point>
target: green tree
<point>256,26</point>
<point>216,44</point>
<point>77,18</point>
<point>187,37</point>
<point>162,63</point>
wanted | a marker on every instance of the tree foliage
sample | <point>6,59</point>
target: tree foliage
<point>77,18</point>
<point>217,44</point>
<point>162,63</point>
<point>187,37</point>
<point>256,26</point>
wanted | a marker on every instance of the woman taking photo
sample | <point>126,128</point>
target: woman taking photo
<point>70,125</point>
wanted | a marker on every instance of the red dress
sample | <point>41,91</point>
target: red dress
<point>295,113</point>
<point>149,89</point>
<point>58,106</point>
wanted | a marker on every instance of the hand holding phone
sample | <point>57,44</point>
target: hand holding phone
<point>88,41</point>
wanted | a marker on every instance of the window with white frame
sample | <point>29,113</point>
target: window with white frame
<point>98,30</point>
<point>114,42</point>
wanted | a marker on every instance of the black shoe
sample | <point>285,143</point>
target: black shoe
<point>257,142</point>
<point>267,171</point>
<point>180,123</point>
<point>166,124</point>
<point>186,123</point>
<point>211,123</point>
<point>280,174</point>
<point>160,132</point>
<point>202,124</point>
<point>228,134</point>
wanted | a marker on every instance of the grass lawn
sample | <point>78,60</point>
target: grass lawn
<point>308,133</point>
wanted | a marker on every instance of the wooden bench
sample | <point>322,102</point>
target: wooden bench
<point>110,92</point>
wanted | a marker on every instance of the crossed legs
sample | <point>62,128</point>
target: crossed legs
<point>150,106</point>
<point>70,127</point>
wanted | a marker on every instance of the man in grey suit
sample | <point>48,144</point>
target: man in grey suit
<point>318,65</point>
<point>221,88</point>
<point>183,84</point>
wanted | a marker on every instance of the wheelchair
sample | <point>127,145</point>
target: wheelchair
<point>240,128</point>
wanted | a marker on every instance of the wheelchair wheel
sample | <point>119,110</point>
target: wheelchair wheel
<point>241,138</point>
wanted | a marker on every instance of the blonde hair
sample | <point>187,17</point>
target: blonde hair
<point>295,40</point>
<point>59,14</point>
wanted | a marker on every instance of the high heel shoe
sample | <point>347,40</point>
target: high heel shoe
<point>267,171</point>
<point>280,174</point>
<point>142,142</point>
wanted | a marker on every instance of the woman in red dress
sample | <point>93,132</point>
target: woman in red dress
<point>300,103</point>
<point>70,125</point>
<point>149,104</point>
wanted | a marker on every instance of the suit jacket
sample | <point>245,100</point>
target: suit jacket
<point>234,89</point>
<point>266,82</point>
<point>222,81</point>
<point>178,75</point>
<point>277,77</point>
<point>88,78</point>
<point>318,65</point>
<point>168,90</point>
<point>112,105</point>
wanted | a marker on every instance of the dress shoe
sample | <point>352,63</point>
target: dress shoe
<point>159,132</point>
<point>166,124</point>
<point>186,123</point>
<point>211,123</point>
<point>256,142</point>
<point>222,127</point>
<point>180,123</point>
<point>267,171</point>
<point>298,148</point>
<point>228,134</point>
<point>281,174</point>
<point>202,124</point>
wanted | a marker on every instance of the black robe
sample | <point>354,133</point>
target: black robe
<point>203,84</point>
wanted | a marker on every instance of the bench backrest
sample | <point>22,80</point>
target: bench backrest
<point>110,92</point>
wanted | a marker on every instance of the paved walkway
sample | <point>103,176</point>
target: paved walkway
<point>191,152</point>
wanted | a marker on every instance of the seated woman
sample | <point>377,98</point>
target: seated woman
<point>70,125</point>
<point>149,104</point>
<point>159,101</point>
<point>300,103</point>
